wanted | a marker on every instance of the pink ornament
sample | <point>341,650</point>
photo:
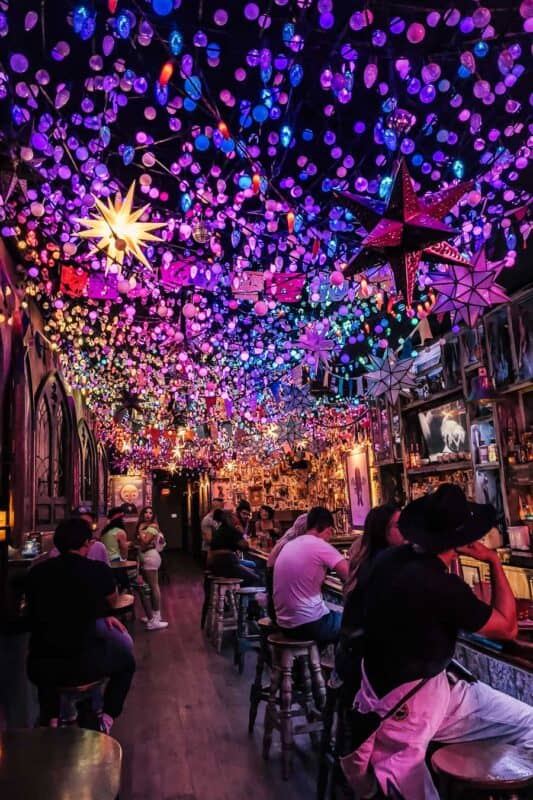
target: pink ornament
<point>336,278</point>
<point>261,308</point>
<point>416,33</point>
<point>189,310</point>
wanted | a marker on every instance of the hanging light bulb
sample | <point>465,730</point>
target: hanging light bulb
<point>166,73</point>
<point>285,135</point>
<point>290,221</point>
<point>224,130</point>
<point>256,182</point>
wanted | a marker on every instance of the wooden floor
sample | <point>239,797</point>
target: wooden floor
<point>184,728</point>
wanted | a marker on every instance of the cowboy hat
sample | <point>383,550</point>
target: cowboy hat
<point>445,520</point>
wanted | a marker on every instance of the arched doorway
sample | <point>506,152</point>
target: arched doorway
<point>53,454</point>
<point>88,466</point>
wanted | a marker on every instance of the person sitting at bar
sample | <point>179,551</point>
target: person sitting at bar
<point>298,528</point>
<point>114,536</point>
<point>380,532</point>
<point>227,541</point>
<point>299,573</point>
<point>97,550</point>
<point>244,518</point>
<point>413,609</point>
<point>208,525</point>
<point>65,598</point>
<point>266,525</point>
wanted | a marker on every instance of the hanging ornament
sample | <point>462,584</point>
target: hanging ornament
<point>408,229</point>
<point>118,228</point>
<point>467,291</point>
<point>316,345</point>
<point>390,377</point>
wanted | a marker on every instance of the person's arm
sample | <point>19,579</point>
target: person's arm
<point>502,623</point>
<point>341,568</point>
<point>122,540</point>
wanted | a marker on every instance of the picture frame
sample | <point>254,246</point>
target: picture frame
<point>358,482</point>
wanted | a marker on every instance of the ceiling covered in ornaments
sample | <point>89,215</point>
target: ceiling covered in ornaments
<point>230,212</point>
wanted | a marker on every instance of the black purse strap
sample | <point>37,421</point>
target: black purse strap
<point>404,699</point>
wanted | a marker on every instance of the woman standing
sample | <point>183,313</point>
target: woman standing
<point>151,542</point>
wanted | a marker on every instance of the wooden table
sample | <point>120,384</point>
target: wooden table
<point>59,763</point>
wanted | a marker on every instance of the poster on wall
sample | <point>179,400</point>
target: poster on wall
<point>128,490</point>
<point>357,477</point>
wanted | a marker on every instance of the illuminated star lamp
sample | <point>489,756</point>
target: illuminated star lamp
<point>408,229</point>
<point>316,345</point>
<point>467,291</point>
<point>390,377</point>
<point>118,228</point>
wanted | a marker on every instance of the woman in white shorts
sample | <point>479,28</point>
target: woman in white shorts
<point>151,541</point>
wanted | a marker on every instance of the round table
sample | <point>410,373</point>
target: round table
<point>56,763</point>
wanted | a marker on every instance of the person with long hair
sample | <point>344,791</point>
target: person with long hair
<point>266,524</point>
<point>380,532</point>
<point>151,542</point>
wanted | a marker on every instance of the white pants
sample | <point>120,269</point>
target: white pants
<point>439,712</point>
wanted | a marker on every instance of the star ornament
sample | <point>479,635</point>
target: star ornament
<point>408,229</point>
<point>467,291</point>
<point>390,377</point>
<point>317,346</point>
<point>118,229</point>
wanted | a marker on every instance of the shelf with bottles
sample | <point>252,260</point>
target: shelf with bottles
<point>437,468</point>
<point>422,483</point>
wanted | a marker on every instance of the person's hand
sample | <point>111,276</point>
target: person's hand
<point>113,622</point>
<point>479,551</point>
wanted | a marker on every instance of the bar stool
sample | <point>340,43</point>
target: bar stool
<point>247,630</point>
<point>483,769</point>
<point>258,692</point>
<point>125,607</point>
<point>220,621</point>
<point>70,696</point>
<point>285,652</point>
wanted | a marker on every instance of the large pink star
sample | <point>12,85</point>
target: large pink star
<point>407,229</point>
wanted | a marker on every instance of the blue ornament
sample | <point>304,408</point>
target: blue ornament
<point>175,42</point>
<point>458,169</point>
<point>162,7</point>
<point>285,135</point>
<point>123,25</point>
<point>296,74</point>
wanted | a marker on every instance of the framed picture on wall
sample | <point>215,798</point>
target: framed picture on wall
<point>358,480</point>
<point>129,491</point>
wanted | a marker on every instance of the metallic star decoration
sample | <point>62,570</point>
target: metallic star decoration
<point>390,377</point>
<point>408,229</point>
<point>118,228</point>
<point>467,291</point>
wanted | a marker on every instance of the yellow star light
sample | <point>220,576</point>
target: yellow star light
<point>118,230</point>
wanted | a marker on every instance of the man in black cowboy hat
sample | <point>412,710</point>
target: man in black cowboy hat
<point>413,610</point>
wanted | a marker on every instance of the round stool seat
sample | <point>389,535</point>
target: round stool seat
<point>251,590</point>
<point>124,601</point>
<point>486,765</point>
<point>284,641</point>
<point>226,581</point>
<point>266,622</point>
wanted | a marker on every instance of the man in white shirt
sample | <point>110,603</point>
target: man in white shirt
<point>208,525</point>
<point>299,573</point>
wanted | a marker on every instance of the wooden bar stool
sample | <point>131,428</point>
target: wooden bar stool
<point>258,692</point>
<point>247,637</point>
<point>220,620</point>
<point>483,769</point>
<point>285,652</point>
<point>70,696</point>
<point>125,608</point>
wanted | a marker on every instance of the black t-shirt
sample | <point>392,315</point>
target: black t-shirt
<point>226,538</point>
<point>65,596</point>
<point>413,609</point>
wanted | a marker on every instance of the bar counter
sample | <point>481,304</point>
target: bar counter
<point>506,666</point>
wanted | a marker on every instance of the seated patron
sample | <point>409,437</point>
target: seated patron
<point>244,518</point>
<point>223,559</point>
<point>208,525</point>
<point>413,609</point>
<point>97,550</point>
<point>66,596</point>
<point>299,573</point>
<point>266,525</point>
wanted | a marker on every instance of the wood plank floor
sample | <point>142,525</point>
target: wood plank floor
<point>184,729</point>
